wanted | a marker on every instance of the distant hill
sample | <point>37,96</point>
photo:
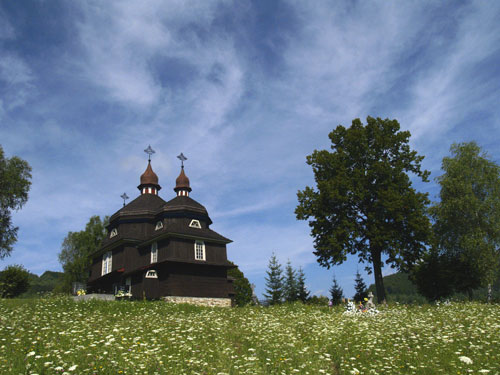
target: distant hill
<point>43,284</point>
<point>399,288</point>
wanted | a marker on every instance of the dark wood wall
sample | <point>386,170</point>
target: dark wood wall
<point>184,249</point>
<point>117,262</point>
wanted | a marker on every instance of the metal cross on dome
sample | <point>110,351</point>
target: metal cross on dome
<point>150,152</point>
<point>182,159</point>
<point>124,196</point>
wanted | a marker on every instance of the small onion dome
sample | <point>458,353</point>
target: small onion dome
<point>182,184</point>
<point>149,181</point>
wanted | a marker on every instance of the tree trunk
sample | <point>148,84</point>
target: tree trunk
<point>377,271</point>
<point>489,293</point>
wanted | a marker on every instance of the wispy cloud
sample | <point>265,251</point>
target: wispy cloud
<point>246,91</point>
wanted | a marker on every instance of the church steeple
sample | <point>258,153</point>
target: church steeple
<point>182,187</point>
<point>149,179</point>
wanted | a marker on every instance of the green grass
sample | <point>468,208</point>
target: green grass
<point>53,335</point>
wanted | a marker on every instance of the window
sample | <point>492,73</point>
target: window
<point>113,233</point>
<point>154,252</point>
<point>151,274</point>
<point>195,224</point>
<point>159,225</point>
<point>199,250</point>
<point>106,263</point>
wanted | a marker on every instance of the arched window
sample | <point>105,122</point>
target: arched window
<point>154,252</point>
<point>159,225</point>
<point>199,250</point>
<point>113,233</point>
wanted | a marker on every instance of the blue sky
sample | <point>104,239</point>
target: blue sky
<point>245,90</point>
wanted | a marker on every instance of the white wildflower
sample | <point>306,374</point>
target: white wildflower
<point>465,360</point>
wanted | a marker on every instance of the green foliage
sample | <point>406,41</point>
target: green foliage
<point>364,202</point>
<point>274,282</point>
<point>318,301</point>
<point>360,288</point>
<point>401,287</point>
<point>77,247</point>
<point>242,287</point>
<point>303,293</point>
<point>467,219</point>
<point>43,284</point>
<point>14,280</point>
<point>15,175</point>
<point>434,276</point>
<point>290,286</point>
<point>336,292</point>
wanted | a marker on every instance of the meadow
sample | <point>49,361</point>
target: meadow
<point>59,336</point>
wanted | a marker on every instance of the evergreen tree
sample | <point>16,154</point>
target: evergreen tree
<point>360,287</point>
<point>274,282</point>
<point>290,287</point>
<point>303,293</point>
<point>336,292</point>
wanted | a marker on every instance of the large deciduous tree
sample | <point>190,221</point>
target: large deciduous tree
<point>364,202</point>
<point>467,217</point>
<point>76,250</point>
<point>15,175</point>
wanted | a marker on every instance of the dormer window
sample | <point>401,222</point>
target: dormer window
<point>199,250</point>
<point>195,224</point>
<point>151,274</point>
<point>154,252</point>
<point>159,225</point>
<point>113,233</point>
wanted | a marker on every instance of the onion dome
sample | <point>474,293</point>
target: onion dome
<point>149,181</point>
<point>182,187</point>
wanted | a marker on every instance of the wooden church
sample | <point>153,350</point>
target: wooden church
<point>157,249</point>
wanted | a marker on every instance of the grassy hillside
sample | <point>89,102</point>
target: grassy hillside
<point>58,335</point>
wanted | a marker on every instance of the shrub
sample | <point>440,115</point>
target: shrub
<point>14,280</point>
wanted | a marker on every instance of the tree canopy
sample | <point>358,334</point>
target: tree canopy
<point>242,288</point>
<point>76,250</point>
<point>14,280</point>
<point>467,218</point>
<point>364,202</point>
<point>15,175</point>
